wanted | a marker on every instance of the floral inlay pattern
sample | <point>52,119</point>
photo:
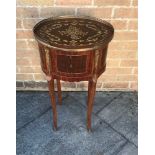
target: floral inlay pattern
<point>74,32</point>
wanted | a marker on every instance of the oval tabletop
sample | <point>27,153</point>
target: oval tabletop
<point>73,33</point>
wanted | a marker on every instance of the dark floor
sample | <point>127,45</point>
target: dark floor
<point>114,124</point>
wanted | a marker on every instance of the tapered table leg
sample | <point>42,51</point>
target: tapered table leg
<point>89,88</point>
<point>59,91</point>
<point>91,94</point>
<point>53,103</point>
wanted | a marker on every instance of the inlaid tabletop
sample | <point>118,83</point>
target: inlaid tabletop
<point>72,32</point>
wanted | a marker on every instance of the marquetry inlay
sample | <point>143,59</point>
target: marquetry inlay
<point>73,32</point>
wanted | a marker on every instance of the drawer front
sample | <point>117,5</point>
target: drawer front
<point>72,64</point>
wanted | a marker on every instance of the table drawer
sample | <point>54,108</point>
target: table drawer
<point>73,64</point>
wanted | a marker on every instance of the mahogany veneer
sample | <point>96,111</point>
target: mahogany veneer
<point>73,49</point>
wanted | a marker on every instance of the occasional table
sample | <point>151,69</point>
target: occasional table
<point>73,48</point>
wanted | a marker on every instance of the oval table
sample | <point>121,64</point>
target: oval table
<point>72,49</point>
